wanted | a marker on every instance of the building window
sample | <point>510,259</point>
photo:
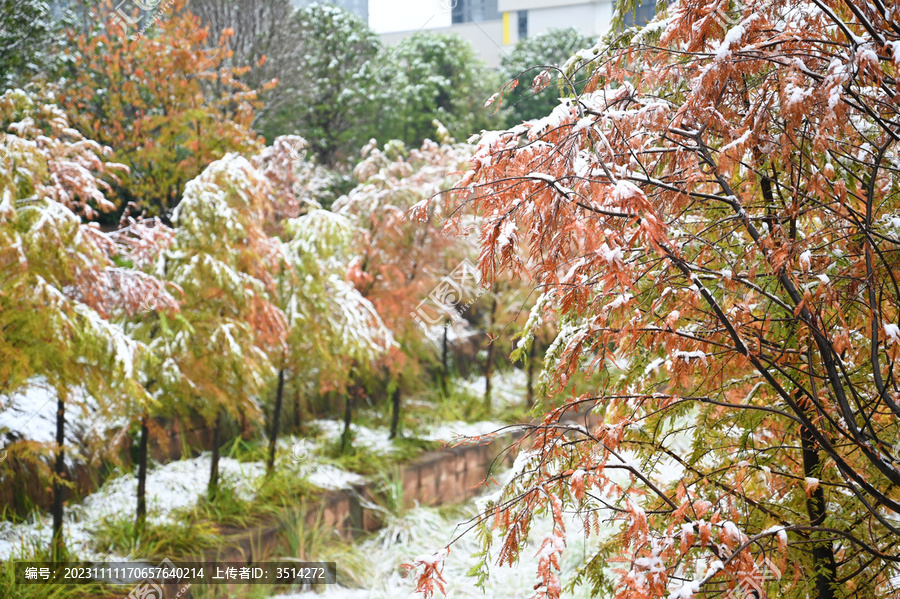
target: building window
<point>523,24</point>
<point>646,10</point>
<point>475,11</point>
<point>459,12</point>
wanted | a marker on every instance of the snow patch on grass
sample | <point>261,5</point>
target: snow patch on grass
<point>509,387</point>
<point>330,477</point>
<point>424,530</point>
<point>170,487</point>
<point>30,413</point>
<point>373,440</point>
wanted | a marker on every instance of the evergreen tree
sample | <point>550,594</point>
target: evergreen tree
<point>529,59</point>
<point>437,76</point>
<point>328,83</point>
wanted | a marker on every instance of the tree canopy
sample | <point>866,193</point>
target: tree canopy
<point>528,59</point>
<point>715,223</point>
<point>166,102</point>
<point>437,76</point>
<point>328,90</point>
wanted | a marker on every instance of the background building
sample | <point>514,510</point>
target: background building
<point>493,26</point>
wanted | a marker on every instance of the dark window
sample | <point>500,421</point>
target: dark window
<point>459,12</point>
<point>644,13</point>
<point>475,11</point>
<point>523,24</point>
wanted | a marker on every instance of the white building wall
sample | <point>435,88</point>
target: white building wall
<point>486,39</point>
<point>510,5</point>
<point>589,19</point>
<point>390,16</point>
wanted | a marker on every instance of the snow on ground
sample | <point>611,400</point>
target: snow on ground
<point>374,440</point>
<point>172,486</point>
<point>377,440</point>
<point>31,412</point>
<point>169,487</point>
<point>422,531</point>
<point>508,387</point>
<point>326,476</point>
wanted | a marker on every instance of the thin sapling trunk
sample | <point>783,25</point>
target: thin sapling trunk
<point>57,545</point>
<point>531,354</point>
<point>276,421</point>
<point>349,400</point>
<point>213,486</point>
<point>142,474</point>
<point>445,368</point>
<point>395,413</point>
<point>296,405</point>
<point>489,361</point>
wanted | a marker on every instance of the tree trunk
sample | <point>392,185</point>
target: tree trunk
<point>823,553</point>
<point>349,400</point>
<point>296,406</point>
<point>142,474</point>
<point>489,361</point>
<point>276,421</point>
<point>245,426</point>
<point>445,368</point>
<point>395,414</point>
<point>57,546</point>
<point>213,486</point>
<point>532,351</point>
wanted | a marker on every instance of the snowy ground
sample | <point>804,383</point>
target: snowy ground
<point>457,432</point>
<point>169,487</point>
<point>508,387</point>
<point>423,530</point>
<point>175,485</point>
<point>378,441</point>
<point>30,414</point>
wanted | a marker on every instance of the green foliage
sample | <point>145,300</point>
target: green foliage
<point>168,102</point>
<point>28,29</point>
<point>303,540</point>
<point>531,56</point>
<point>281,489</point>
<point>228,508</point>
<point>243,450</point>
<point>329,94</point>
<point>437,77</point>
<point>122,536</point>
<point>458,404</point>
